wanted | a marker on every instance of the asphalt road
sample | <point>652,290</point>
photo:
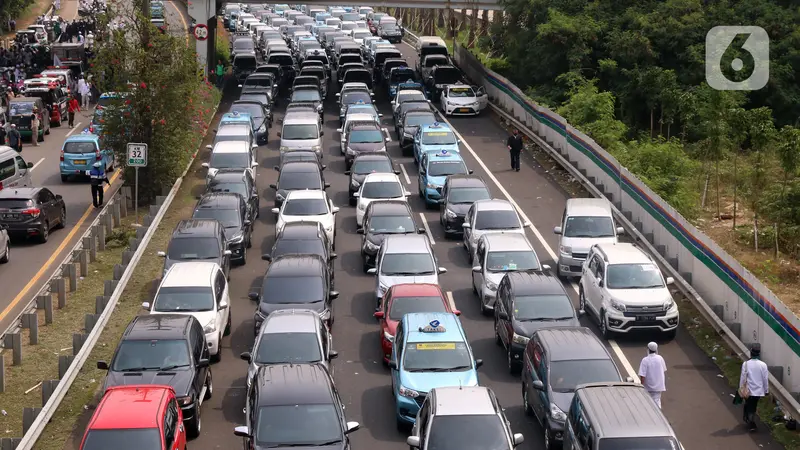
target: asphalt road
<point>697,403</point>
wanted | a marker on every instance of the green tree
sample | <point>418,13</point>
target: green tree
<point>593,113</point>
<point>762,138</point>
<point>788,150</point>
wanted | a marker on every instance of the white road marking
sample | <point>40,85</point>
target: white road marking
<point>37,164</point>
<point>427,229</point>
<point>405,174</point>
<point>74,128</point>
<point>625,363</point>
<point>386,132</point>
<point>450,299</point>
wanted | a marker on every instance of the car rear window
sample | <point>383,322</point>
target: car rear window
<point>80,147</point>
<point>14,203</point>
<point>122,439</point>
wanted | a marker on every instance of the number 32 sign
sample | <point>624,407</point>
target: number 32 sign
<point>201,32</point>
<point>137,155</point>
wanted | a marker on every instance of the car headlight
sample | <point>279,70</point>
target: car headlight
<point>210,328</point>
<point>448,214</point>
<point>669,304</point>
<point>355,184</point>
<point>491,285</point>
<point>431,186</point>
<point>262,128</point>
<point>388,336</point>
<point>316,148</point>
<point>284,149</point>
<point>409,135</point>
<point>237,240</point>
<point>319,108</point>
<point>450,103</point>
<point>619,306</point>
<point>185,401</point>
<point>556,413</point>
<point>350,151</point>
<point>565,250</point>
<point>406,392</point>
<point>518,339</point>
<point>371,246</point>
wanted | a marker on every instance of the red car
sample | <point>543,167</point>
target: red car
<point>136,417</point>
<point>402,299</point>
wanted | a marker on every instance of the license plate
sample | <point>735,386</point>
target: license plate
<point>646,318</point>
<point>462,110</point>
<point>79,162</point>
<point>13,216</point>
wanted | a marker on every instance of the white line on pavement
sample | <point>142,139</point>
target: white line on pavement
<point>451,300</point>
<point>37,164</point>
<point>625,363</point>
<point>405,174</point>
<point>73,129</point>
<point>427,229</point>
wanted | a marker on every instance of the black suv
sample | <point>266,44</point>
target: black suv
<point>295,405</point>
<point>383,218</point>
<point>31,211</point>
<point>364,165</point>
<point>295,282</point>
<point>166,349</point>
<point>231,211</point>
<point>198,240</point>
<point>303,238</point>
<point>458,194</point>
<point>237,181</point>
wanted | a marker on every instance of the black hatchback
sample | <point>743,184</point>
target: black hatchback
<point>458,194</point>
<point>237,181</point>
<point>364,165</point>
<point>32,212</point>
<point>231,211</point>
<point>297,176</point>
<point>383,218</point>
<point>303,238</point>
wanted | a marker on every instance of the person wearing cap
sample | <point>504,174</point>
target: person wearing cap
<point>753,384</point>
<point>97,175</point>
<point>14,138</point>
<point>651,372</point>
<point>514,144</point>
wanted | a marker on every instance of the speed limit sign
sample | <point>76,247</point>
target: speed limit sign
<point>201,32</point>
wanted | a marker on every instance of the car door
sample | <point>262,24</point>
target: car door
<point>506,302</point>
<point>47,202</point>
<point>172,431</point>
<point>423,174</point>
<point>22,172</point>
<point>397,357</point>
<point>200,351</point>
<point>483,97</point>
<point>222,300</point>
<point>480,262</point>
<point>594,292</point>
<point>223,248</point>
<point>468,231</point>
<point>539,401</point>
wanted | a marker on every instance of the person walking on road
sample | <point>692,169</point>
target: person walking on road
<point>83,90</point>
<point>98,177</point>
<point>753,384</point>
<point>514,145</point>
<point>14,138</point>
<point>72,108</point>
<point>651,372</point>
<point>35,126</point>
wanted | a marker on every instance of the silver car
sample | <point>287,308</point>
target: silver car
<point>291,336</point>
<point>486,216</point>
<point>404,259</point>
<point>5,245</point>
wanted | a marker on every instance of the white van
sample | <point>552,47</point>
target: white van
<point>585,222</point>
<point>301,131</point>
<point>14,171</point>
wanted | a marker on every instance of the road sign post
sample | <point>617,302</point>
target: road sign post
<point>137,157</point>
<point>200,32</point>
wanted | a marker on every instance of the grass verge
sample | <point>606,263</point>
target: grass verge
<point>69,420</point>
<point>29,15</point>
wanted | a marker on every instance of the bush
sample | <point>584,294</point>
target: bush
<point>222,50</point>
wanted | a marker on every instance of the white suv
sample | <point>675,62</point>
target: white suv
<point>624,290</point>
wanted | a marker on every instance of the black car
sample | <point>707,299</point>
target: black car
<point>390,64</point>
<point>383,218</point>
<point>303,238</point>
<point>364,165</point>
<point>426,63</point>
<point>439,77</point>
<point>286,63</point>
<point>362,139</point>
<point>295,282</point>
<point>417,96</point>
<point>299,156</point>
<point>240,182</point>
<point>307,81</point>
<point>348,58</point>
<point>260,114</point>
<point>344,67</point>
<point>231,211</point>
<point>166,349</point>
<point>31,212</point>
<point>407,128</point>
<point>266,83</point>
<point>294,405</point>
<point>528,302</point>
<point>297,176</point>
<point>391,32</point>
<point>380,56</point>
<point>198,240</point>
<point>243,66</point>
<point>356,75</point>
<point>458,194</point>
<point>307,94</point>
<point>416,105</point>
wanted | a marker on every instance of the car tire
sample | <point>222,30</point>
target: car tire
<point>194,425</point>
<point>514,368</point>
<point>218,357</point>
<point>64,178</point>
<point>62,219</point>
<point>7,255</point>
<point>44,234</point>
<point>209,387</point>
<point>603,324</point>
<point>228,325</point>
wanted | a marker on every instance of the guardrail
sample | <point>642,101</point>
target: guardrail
<point>702,270</point>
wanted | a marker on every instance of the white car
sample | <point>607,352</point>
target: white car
<point>199,289</point>
<point>230,155</point>
<point>308,206</point>
<point>359,35</point>
<point>378,186</point>
<point>463,100</point>
<point>485,216</point>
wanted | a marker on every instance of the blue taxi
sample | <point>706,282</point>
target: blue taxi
<point>437,136</point>
<point>430,350</point>
<point>79,152</point>
<point>236,117</point>
<point>96,125</point>
<point>403,77</point>
<point>434,168</point>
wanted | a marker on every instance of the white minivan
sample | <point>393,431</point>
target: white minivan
<point>14,171</point>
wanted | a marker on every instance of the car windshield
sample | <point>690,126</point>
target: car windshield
<point>366,136</point>
<point>122,439</point>
<point>184,249</point>
<point>639,443</point>
<point>229,187</point>
<point>260,98</point>
<point>416,120</point>
<point>461,431</point>
<point>436,356</point>
<point>229,218</point>
<point>389,27</point>
<point>382,189</point>
<point>261,81</point>
<point>532,308</point>
<point>407,264</point>
<point>255,111</point>
<point>391,224</point>
<point>298,425</point>
<point>298,247</point>
<point>497,220</point>
<point>80,147</point>
<point>184,299</point>
<point>445,168</point>
<point>283,290</point>
<point>281,60</point>
<point>301,132</point>
<point>288,348</point>
<point>511,261</point>
<point>416,96</point>
<point>151,354</point>
<point>243,44</point>
<point>438,138</point>
<point>305,207</point>
<point>230,160</point>
<point>461,92</point>
<point>361,34</point>
<point>372,166</point>
<point>589,227</point>
<point>299,180</point>
<point>566,375</point>
<point>245,62</point>
<point>633,276</point>
<point>467,195</point>
<point>405,305</point>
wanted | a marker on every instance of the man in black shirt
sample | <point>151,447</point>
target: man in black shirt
<point>514,145</point>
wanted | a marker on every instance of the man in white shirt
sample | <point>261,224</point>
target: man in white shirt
<point>651,372</point>
<point>755,376</point>
<point>83,89</point>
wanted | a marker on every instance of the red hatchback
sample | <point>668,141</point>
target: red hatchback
<point>136,417</point>
<point>402,299</point>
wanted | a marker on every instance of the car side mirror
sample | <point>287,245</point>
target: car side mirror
<point>356,194</point>
<point>413,441</point>
<point>210,147</point>
<point>347,172</point>
<point>327,185</point>
<point>335,210</point>
<point>322,133</point>
<point>29,165</point>
<point>378,315</point>
<point>620,230</point>
<point>478,363</point>
<point>372,271</point>
<point>393,365</point>
<point>333,256</point>
<point>146,306</point>
<point>203,362</point>
<point>238,85</point>
<point>253,296</point>
<point>556,230</point>
<point>338,130</point>
<point>162,254</point>
<point>102,365</point>
<point>502,315</point>
<point>442,270</point>
<point>465,225</point>
<point>227,253</point>
<point>242,431</point>
<point>670,280</point>
<point>276,210</point>
<point>629,379</point>
<point>333,295</point>
<point>538,385</point>
<point>526,224</point>
<point>545,267</point>
<point>246,356</point>
<point>223,305</point>
<point>273,186</point>
<point>205,165</point>
<point>477,269</point>
<point>518,439</point>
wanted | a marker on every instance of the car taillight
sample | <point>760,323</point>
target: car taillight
<point>97,154</point>
<point>1,185</point>
<point>61,158</point>
<point>33,212</point>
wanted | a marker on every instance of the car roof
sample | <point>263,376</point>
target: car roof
<point>234,129</point>
<point>465,180</point>
<point>132,406</point>
<point>464,401</point>
<point>506,242</point>
<point>188,228</point>
<point>624,253</point>
<point>231,146</point>
<point>372,157</point>
<point>82,138</point>
<point>381,177</point>
<point>389,208</point>
<point>450,322</point>
<point>535,283</point>
<point>190,274</point>
<point>300,166</point>
<point>407,243</point>
<point>158,326</point>
<point>291,321</point>
<point>493,204</point>
<point>21,193</point>
<point>588,207</point>
<point>305,194</point>
<point>219,199</point>
<point>294,384</point>
<point>228,175</point>
<point>416,289</point>
<point>300,230</point>
<point>571,343</point>
<point>623,410</point>
<point>293,265</point>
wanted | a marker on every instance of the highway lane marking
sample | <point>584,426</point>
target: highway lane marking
<point>427,229</point>
<point>37,164</point>
<point>73,129</point>
<point>451,301</point>
<point>405,174</point>
<point>183,21</point>
<point>614,346</point>
<point>386,132</point>
<point>56,254</point>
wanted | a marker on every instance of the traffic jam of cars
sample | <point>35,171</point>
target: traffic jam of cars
<point>301,58</point>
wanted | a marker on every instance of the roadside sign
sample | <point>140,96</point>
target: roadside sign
<point>137,154</point>
<point>201,32</point>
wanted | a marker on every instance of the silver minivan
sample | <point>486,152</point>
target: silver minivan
<point>301,131</point>
<point>14,171</point>
<point>585,222</point>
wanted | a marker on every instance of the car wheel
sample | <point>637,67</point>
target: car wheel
<point>64,178</point>
<point>228,325</point>
<point>548,438</point>
<point>525,403</point>
<point>62,219</point>
<point>513,366</point>
<point>243,261</point>
<point>474,289</point>
<point>193,426</point>
<point>604,331</point>
<point>7,255</point>
<point>44,234</point>
<point>218,357</point>
<point>209,387</point>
